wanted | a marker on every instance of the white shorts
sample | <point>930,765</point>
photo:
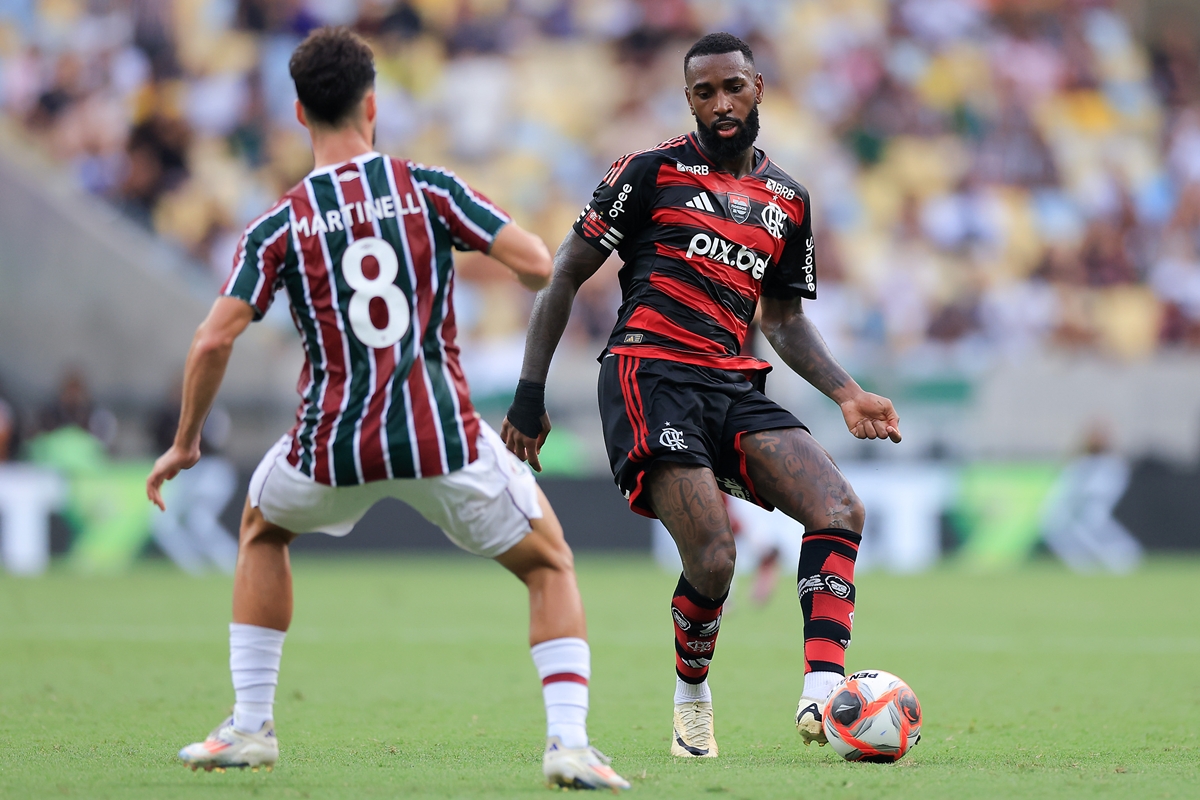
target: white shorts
<point>485,508</point>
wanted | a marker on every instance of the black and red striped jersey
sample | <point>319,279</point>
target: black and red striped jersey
<point>699,248</point>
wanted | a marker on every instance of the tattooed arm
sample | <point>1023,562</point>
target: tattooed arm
<point>797,341</point>
<point>574,263</point>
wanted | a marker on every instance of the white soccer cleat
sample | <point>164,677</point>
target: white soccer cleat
<point>579,768</point>
<point>228,747</point>
<point>693,735</point>
<point>809,719</point>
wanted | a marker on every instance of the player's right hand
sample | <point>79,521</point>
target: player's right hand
<point>525,447</point>
<point>168,465</point>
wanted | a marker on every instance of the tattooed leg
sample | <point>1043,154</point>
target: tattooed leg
<point>795,474</point>
<point>686,498</point>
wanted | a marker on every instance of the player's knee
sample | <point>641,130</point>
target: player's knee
<point>261,532</point>
<point>711,573</point>
<point>557,554</point>
<point>854,514</point>
<point>542,552</point>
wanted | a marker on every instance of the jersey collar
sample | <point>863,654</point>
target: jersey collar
<point>760,158</point>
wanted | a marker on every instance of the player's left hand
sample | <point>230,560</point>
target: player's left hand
<point>525,447</point>
<point>871,416</point>
<point>168,465</point>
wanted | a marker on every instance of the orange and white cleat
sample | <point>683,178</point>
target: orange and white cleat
<point>228,747</point>
<point>579,768</point>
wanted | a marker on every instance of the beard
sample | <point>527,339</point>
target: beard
<point>719,148</point>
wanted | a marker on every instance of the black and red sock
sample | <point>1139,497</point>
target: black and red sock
<point>697,623</point>
<point>825,585</point>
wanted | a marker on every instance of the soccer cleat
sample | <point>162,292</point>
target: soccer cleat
<point>228,747</point>
<point>579,768</point>
<point>809,719</point>
<point>693,734</point>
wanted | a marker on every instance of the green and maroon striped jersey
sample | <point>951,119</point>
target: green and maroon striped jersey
<point>363,251</point>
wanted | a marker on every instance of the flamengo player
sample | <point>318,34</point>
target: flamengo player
<point>708,228</point>
<point>362,247</point>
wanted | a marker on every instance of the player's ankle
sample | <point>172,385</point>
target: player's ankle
<point>572,735</point>
<point>691,692</point>
<point>820,685</point>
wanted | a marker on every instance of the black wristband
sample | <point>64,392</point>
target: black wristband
<point>528,406</point>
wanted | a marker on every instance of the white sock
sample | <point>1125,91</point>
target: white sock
<point>820,684</point>
<point>254,655</point>
<point>687,692</point>
<point>564,666</point>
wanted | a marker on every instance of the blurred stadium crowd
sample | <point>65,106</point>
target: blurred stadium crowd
<point>989,176</point>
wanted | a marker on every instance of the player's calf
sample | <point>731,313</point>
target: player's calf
<point>825,586</point>
<point>697,621</point>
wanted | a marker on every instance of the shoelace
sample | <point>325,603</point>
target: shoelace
<point>603,758</point>
<point>695,722</point>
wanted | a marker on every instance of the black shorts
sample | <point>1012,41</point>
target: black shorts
<point>658,410</point>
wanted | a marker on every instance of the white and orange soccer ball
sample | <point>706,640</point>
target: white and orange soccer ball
<point>872,716</point>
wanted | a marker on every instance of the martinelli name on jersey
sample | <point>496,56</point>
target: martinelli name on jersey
<point>699,248</point>
<point>363,250</point>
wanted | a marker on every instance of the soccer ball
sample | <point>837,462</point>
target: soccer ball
<point>872,716</point>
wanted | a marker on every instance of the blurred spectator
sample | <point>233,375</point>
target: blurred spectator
<point>1078,523</point>
<point>73,407</point>
<point>994,174</point>
<point>10,432</point>
<point>190,532</point>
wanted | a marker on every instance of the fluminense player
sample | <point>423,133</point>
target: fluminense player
<point>362,248</point>
<point>709,228</point>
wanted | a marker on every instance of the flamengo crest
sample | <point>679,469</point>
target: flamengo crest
<point>773,219</point>
<point>739,207</point>
<point>672,438</point>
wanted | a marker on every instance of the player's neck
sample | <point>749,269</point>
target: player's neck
<point>739,166</point>
<point>338,146</point>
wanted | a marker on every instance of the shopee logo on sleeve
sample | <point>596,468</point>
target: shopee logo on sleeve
<point>619,205</point>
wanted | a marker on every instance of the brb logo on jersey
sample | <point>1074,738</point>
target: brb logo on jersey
<point>777,188</point>
<point>774,218</point>
<point>718,249</point>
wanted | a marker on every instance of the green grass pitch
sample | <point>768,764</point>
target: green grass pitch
<point>410,677</point>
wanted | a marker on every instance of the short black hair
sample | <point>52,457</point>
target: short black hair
<point>333,69</point>
<point>714,44</point>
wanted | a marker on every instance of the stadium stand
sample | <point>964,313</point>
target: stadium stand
<point>990,177</point>
<point>1006,191</point>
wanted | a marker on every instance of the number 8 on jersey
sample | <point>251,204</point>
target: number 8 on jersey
<point>367,289</point>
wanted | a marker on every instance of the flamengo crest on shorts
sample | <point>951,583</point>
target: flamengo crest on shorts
<point>363,250</point>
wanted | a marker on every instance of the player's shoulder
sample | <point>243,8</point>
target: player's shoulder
<point>779,182</point>
<point>785,191</point>
<point>646,162</point>
<point>277,216</point>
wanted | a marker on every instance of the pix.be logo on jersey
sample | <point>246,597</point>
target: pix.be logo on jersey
<point>721,250</point>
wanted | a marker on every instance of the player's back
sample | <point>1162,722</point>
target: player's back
<point>363,250</point>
